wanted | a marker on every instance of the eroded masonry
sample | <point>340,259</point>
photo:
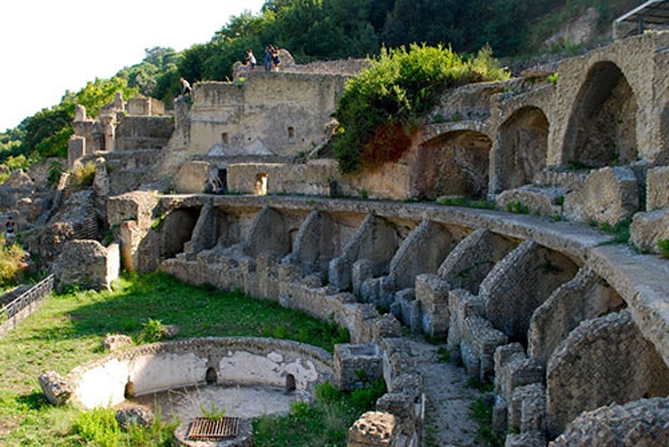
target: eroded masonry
<point>573,331</point>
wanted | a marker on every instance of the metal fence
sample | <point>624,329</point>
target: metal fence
<point>25,304</point>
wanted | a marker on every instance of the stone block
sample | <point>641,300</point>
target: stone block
<point>403,407</point>
<point>357,365</point>
<point>115,342</point>
<point>432,294</point>
<point>649,228</point>
<point>609,195</point>
<point>57,390</point>
<point>657,188</point>
<point>373,429</point>
<point>541,201</point>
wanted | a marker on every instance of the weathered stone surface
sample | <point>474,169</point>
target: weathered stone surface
<point>115,342</point>
<point>357,365</point>
<point>57,390</point>
<point>542,201</point>
<point>657,188</point>
<point>134,416</point>
<point>649,228</point>
<point>373,429</point>
<point>88,264</point>
<point>642,423</point>
<point>609,195</point>
<point>608,347</point>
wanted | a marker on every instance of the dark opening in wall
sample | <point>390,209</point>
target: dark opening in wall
<point>290,383</point>
<point>211,377</point>
<point>225,138</point>
<point>129,390</point>
<point>291,135</point>
<point>260,187</point>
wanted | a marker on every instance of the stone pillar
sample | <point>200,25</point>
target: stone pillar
<point>76,148</point>
<point>79,113</point>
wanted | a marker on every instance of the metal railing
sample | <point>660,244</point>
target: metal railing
<point>12,313</point>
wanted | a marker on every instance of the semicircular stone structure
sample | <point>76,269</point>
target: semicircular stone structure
<point>560,321</point>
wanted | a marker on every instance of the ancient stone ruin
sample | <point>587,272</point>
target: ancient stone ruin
<point>572,330</point>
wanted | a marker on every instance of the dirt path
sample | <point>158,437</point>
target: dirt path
<point>448,420</point>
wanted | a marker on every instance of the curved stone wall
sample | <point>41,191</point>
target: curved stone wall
<point>232,360</point>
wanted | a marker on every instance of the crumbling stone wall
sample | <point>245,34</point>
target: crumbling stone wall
<point>519,284</point>
<point>609,347</point>
<point>640,423</point>
<point>583,298</point>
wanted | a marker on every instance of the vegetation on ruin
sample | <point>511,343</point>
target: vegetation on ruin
<point>325,422</point>
<point>13,263</point>
<point>69,328</point>
<point>310,30</point>
<point>381,107</point>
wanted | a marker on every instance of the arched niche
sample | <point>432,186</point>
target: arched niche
<point>602,127</point>
<point>523,147</point>
<point>453,164</point>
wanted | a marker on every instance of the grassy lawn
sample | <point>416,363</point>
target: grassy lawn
<point>68,330</point>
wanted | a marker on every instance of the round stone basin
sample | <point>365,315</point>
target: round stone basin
<point>246,376</point>
<point>246,402</point>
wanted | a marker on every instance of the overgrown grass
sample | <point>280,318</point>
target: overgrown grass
<point>663,244</point>
<point>68,330</point>
<point>323,423</point>
<point>467,203</point>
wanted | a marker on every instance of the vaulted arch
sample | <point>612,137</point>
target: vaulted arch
<point>523,147</point>
<point>602,127</point>
<point>455,164</point>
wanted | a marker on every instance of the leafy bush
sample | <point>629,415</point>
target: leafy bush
<point>12,262</point>
<point>152,331</point>
<point>380,108</point>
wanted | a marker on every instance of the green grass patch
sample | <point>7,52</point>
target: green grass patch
<point>68,330</point>
<point>467,203</point>
<point>325,422</point>
<point>482,413</point>
<point>663,244</point>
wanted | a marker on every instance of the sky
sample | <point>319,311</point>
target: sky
<point>50,46</point>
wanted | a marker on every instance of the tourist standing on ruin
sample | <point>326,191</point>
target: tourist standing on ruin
<point>185,87</point>
<point>267,62</point>
<point>276,60</point>
<point>250,60</point>
<point>9,231</point>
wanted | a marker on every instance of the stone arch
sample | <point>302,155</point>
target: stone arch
<point>602,127</point>
<point>523,147</point>
<point>455,164</point>
<point>177,229</point>
<point>211,376</point>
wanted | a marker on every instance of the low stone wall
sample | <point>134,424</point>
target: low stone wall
<point>234,360</point>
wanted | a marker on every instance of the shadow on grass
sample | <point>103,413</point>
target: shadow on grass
<point>197,311</point>
<point>34,401</point>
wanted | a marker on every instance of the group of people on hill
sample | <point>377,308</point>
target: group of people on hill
<point>271,61</point>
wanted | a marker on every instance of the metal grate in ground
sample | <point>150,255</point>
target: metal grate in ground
<point>205,429</point>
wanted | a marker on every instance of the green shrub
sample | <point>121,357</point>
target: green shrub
<point>13,262</point>
<point>663,244</point>
<point>97,427</point>
<point>152,331</point>
<point>380,108</point>
<point>84,174</point>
